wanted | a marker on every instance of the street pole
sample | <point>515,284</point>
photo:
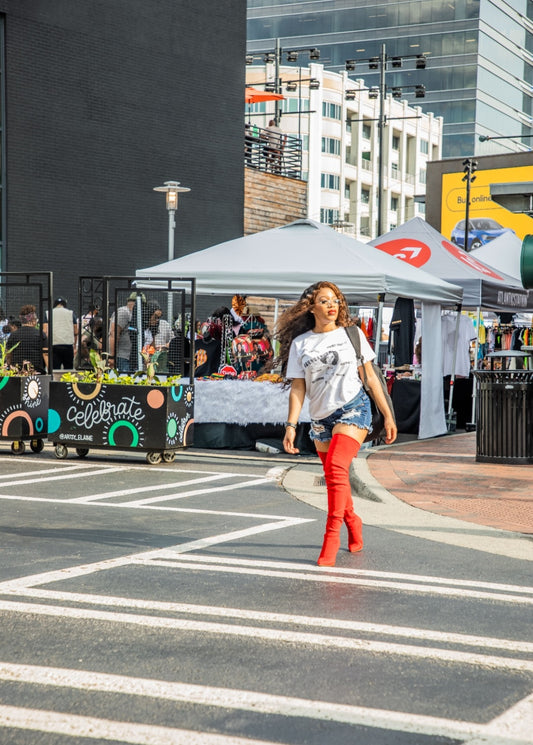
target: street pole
<point>277,61</point>
<point>381,127</point>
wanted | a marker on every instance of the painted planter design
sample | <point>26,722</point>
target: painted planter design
<point>24,410</point>
<point>156,419</point>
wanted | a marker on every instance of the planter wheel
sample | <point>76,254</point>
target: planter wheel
<point>36,445</point>
<point>153,458</point>
<point>82,452</point>
<point>169,456</point>
<point>61,451</point>
<point>18,447</point>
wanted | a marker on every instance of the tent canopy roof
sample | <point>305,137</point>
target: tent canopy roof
<point>418,244</point>
<point>283,261</point>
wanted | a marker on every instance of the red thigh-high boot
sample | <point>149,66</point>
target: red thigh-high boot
<point>342,451</point>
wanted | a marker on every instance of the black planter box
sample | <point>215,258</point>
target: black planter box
<point>156,419</point>
<point>24,409</point>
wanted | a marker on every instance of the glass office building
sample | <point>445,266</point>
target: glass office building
<point>479,72</point>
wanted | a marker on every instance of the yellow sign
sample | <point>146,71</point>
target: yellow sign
<point>488,217</point>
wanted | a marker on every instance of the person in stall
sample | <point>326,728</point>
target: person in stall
<point>317,356</point>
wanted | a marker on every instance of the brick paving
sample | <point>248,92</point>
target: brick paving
<point>441,475</point>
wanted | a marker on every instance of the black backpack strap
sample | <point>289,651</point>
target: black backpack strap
<point>353,336</point>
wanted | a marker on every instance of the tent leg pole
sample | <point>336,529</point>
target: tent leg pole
<point>450,420</point>
<point>379,322</point>
<point>471,426</point>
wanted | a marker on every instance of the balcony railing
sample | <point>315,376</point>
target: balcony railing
<point>280,155</point>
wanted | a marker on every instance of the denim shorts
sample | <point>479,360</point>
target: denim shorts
<point>357,411</point>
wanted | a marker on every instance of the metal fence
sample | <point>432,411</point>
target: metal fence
<point>267,154</point>
<point>131,320</point>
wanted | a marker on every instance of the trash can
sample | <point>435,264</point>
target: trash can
<point>504,418</point>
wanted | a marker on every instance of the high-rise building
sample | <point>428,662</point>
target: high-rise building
<point>479,54</point>
<point>360,180</point>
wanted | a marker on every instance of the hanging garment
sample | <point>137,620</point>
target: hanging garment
<point>402,332</point>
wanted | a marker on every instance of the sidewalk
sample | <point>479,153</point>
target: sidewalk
<point>441,475</point>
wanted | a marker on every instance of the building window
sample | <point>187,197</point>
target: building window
<point>331,145</point>
<point>329,216</point>
<point>365,196</point>
<point>394,204</point>
<point>346,191</point>
<point>396,142</point>
<point>329,181</point>
<point>422,175</point>
<point>367,131</point>
<point>331,110</point>
<point>364,226</point>
<point>424,147</point>
<point>394,170</point>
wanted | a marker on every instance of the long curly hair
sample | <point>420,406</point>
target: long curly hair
<point>298,319</point>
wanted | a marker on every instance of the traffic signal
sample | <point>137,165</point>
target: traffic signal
<point>469,168</point>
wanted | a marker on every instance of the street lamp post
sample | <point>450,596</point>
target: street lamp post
<point>171,189</point>
<point>277,57</point>
<point>375,63</point>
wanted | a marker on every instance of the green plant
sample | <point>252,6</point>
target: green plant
<point>7,370</point>
<point>102,373</point>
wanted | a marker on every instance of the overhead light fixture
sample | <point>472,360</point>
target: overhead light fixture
<point>420,91</point>
<point>292,56</point>
<point>350,65</point>
<point>249,59</point>
<point>314,84</point>
<point>396,61</point>
<point>420,62</point>
<point>373,92</point>
<point>270,87</point>
<point>314,53</point>
<point>350,94</point>
<point>291,86</point>
<point>373,63</point>
<point>269,57</point>
<point>396,92</point>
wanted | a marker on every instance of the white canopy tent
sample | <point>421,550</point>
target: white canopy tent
<point>283,261</point>
<point>418,244</point>
<point>502,254</point>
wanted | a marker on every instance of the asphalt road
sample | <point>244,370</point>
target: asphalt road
<point>181,603</point>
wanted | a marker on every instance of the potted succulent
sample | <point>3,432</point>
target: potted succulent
<point>23,403</point>
<point>100,408</point>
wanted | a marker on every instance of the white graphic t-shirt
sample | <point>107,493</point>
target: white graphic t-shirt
<point>327,363</point>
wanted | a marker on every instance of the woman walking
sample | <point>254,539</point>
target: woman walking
<point>318,357</point>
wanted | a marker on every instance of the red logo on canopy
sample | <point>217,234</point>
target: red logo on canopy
<point>469,260</point>
<point>409,250</point>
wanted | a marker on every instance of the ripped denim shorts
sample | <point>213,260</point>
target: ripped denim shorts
<point>357,411</point>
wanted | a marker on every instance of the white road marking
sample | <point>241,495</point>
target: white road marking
<point>62,477</point>
<point>444,637</point>
<point>507,728</point>
<point>194,493</point>
<point>521,589</point>
<point>56,469</point>
<point>278,636</point>
<point>104,729</point>
<point>170,561</point>
<point>151,487</point>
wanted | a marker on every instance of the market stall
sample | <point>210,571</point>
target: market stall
<point>419,245</point>
<point>283,261</point>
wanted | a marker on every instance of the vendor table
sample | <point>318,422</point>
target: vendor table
<point>236,414</point>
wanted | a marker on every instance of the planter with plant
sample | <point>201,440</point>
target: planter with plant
<point>23,403</point>
<point>100,408</point>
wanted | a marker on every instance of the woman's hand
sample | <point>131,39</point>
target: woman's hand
<point>288,441</point>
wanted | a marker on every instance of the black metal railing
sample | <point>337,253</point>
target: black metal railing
<point>273,153</point>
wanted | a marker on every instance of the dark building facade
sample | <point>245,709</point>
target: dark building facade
<point>103,100</point>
